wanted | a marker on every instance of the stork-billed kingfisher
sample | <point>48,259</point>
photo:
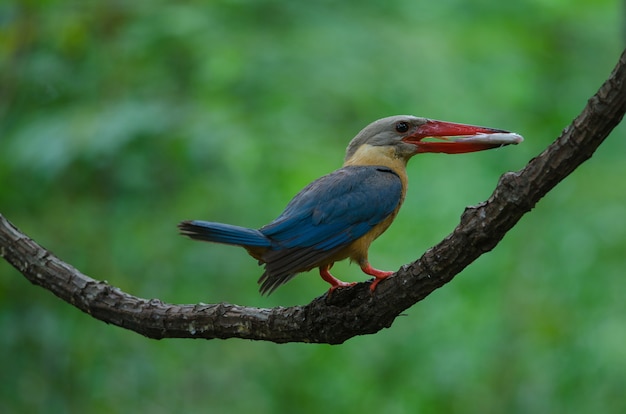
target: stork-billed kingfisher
<point>338,215</point>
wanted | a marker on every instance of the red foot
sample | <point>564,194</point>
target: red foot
<point>378,274</point>
<point>335,283</point>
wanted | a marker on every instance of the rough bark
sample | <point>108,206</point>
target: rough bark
<point>351,311</point>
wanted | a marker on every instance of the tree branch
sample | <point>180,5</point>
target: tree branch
<point>348,312</point>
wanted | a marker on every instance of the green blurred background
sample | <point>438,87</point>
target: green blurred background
<point>119,119</point>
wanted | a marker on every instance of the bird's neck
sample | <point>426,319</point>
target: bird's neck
<point>380,155</point>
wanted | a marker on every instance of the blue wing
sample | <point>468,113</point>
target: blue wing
<point>326,216</point>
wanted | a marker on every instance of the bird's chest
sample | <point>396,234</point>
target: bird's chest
<point>381,227</point>
<point>358,250</point>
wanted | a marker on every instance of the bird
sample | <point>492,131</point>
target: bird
<point>339,215</point>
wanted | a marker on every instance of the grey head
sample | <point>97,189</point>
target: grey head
<point>389,131</point>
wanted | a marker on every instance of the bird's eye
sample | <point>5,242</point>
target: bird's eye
<point>402,126</point>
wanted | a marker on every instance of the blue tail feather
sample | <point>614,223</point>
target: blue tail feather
<point>223,233</point>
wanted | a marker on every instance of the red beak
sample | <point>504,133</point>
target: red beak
<point>468,138</point>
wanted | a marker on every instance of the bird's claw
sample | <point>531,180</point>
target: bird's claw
<point>378,278</point>
<point>340,284</point>
<point>375,283</point>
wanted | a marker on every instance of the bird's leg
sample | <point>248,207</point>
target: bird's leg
<point>334,282</point>
<point>378,274</point>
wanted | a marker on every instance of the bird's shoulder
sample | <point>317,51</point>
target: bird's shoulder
<point>347,187</point>
<point>352,197</point>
